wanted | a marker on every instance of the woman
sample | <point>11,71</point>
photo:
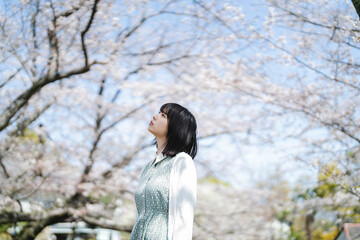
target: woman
<point>166,195</point>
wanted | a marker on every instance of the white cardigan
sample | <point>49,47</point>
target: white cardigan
<point>182,196</point>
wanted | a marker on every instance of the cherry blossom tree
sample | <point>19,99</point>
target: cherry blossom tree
<point>312,96</point>
<point>321,88</point>
<point>78,77</point>
<point>323,45</point>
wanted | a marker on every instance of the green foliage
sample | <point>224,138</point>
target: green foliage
<point>297,225</point>
<point>31,136</point>
<point>4,227</point>
<point>106,199</point>
<point>125,235</point>
<point>5,236</point>
<point>326,185</point>
<point>308,194</point>
<point>318,234</point>
<point>283,216</point>
<point>296,234</point>
<point>350,154</point>
<point>214,180</point>
<point>323,227</point>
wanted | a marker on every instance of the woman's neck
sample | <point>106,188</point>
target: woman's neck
<point>161,143</point>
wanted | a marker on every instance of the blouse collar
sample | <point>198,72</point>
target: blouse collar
<point>159,157</point>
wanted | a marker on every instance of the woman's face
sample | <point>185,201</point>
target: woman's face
<point>159,125</point>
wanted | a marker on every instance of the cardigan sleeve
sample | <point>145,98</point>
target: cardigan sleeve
<point>182,198</point>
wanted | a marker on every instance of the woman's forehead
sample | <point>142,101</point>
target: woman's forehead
<point>164,109</point>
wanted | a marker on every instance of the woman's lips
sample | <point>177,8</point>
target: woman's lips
<point>151,123</point>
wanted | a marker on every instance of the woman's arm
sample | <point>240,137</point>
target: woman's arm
<point>182,198</point>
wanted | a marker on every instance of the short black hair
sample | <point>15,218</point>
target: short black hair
<point>181,136</point>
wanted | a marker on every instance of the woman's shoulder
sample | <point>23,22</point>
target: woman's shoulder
<point>183,155</point>
<point>183,164</point>
<point>182,158</point>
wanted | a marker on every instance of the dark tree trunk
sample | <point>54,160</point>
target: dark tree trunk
<point>31,230</point>
<point>308,221</point>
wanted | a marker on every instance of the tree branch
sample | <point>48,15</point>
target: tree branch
<point>34,36</point>
<point>125,160</point>
<point>53,62</point>
<point>11,217</point>
<point>20,127</point>
<point>94,9</point>
<point>103,223</point>
<point>11,77</point>
<point>23,98</point>
<point>69,12</point>
<point>31,230</point>
<point>99,118</point>
<point>304,19</point>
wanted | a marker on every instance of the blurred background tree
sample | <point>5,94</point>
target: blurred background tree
<point>273,84</point>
